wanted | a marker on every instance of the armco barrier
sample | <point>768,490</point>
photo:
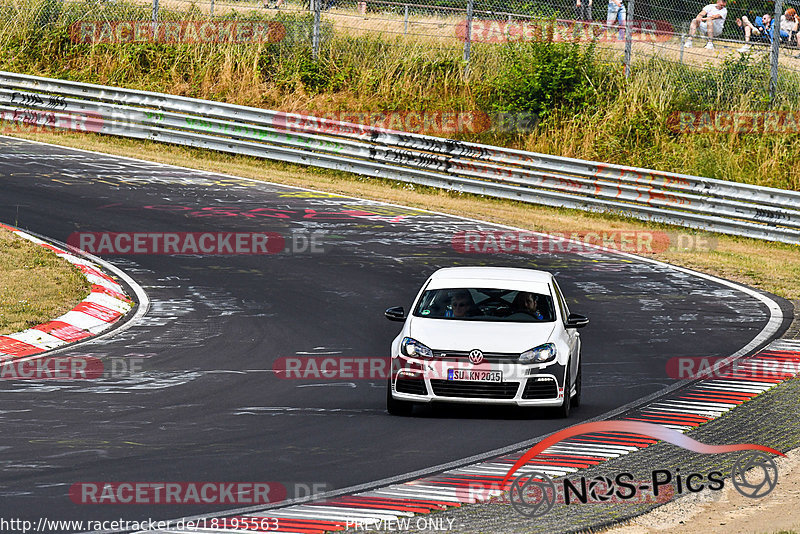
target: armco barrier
<point>690,201</point>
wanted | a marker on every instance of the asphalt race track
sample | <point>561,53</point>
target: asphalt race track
<point>206,404</point>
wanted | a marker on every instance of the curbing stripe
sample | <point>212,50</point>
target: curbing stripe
<point>14,347</point>
<point>37,338</point>
<point>105,305</point>
<point>63,331</point>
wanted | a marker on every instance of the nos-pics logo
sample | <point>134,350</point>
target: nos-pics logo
<point>533,493</point>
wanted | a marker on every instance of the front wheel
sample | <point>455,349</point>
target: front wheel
<point>576,400</point>
<point>397,407</point>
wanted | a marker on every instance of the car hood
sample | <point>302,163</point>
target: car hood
<point>444,334</point>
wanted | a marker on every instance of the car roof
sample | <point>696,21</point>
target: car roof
<point>509,274</point>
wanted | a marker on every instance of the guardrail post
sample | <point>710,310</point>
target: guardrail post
<point>628,39</point>
<point>155,18</point>
<point>775,52</point>
<point>468,36</point>
<point>405,22</point>
<point>315,36</point>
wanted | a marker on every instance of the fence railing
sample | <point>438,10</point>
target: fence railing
<point>689,201</point>
<point>764,60</point>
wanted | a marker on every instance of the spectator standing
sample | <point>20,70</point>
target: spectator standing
<point>710,21</point>
<point>618,13</point>
<point>583,10</point>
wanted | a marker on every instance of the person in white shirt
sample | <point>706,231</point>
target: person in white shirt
<point>710,21</point>
<point>790,27</point>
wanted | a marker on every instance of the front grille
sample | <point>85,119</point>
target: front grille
<point>540,389</point>
<point>460,355</point>
<point>414,386</point>
<point>474,390</point>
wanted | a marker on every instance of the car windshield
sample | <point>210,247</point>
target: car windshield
<point>469,304</point>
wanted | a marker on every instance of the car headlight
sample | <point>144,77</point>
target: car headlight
<point>415,349</point>
<point>540,354</point>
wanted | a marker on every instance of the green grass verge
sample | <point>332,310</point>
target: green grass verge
<point>35,284</point>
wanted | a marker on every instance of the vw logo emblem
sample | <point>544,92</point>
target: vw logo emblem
<point>475,356</point>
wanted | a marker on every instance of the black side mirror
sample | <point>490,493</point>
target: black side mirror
<point>576,321</point>
<point>395,314</point>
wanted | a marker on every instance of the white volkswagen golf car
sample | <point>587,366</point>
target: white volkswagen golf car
<point>488,335</point>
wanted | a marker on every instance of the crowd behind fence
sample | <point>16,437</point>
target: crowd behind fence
<point>634,30</point>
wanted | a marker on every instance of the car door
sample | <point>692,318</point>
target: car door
<point>571,335</point>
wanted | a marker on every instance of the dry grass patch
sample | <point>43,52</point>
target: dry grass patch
<point>35,284</point>
<point>769,266</point>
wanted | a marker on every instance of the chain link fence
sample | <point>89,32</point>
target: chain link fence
<point>737,48</point>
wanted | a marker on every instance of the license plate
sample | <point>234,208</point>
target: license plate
<point>474,376</point>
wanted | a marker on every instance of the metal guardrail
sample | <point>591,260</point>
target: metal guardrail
<point>689,201</point>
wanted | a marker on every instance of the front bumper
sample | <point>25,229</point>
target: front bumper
<point>426,381</point>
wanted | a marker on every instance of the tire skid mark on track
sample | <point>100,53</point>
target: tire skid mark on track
<point>638,269</point>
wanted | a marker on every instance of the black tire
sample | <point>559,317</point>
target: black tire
<point>397,407</point>
<point>564,409</point>
<point>576,400</point>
